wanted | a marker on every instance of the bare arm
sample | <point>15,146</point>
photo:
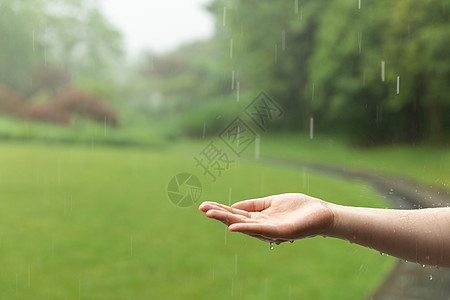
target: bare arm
<point>421,236</point>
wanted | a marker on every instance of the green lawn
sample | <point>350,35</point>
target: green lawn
<point>95,223</point>
<point>422,163</point>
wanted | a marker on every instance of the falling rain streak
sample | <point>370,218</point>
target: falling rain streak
<point>131,246</point>
<point>224,23</point>
<point>233,78</point>
<point>276,53</point>
<point>379,116</point>
<point>296,7</point>
<point>231,49</point>
<point>226,235</point>
<point>59,171</point>
<point>359,4</point>
<point>257,146</point>
<point>359,41</point>
<point>283,40</point>
<point>382,70</point>
<point>34,46</point>
<point>238,89</point>
<point>311,128</point>
<point>398,85</point>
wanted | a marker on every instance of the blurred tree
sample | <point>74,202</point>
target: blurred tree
<point>70,34</point>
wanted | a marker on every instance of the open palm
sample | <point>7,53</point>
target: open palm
<point>274,219</point>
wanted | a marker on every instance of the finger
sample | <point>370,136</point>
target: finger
<point>226,217</point>
<point>205,206</point>
<point>253,204</point>
<point>266,230</point>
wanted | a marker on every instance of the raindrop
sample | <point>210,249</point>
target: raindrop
<point>359,4</point>
<point>276,53</point>
<point>33,41</point>
<point>398,85</point>
<point>296,7</point>
<point>59,171</point>
<point>431,277</point>
<point>233,74</point>
<point>271,246</point>
<point>204,130</point>
<point>29,276</point>
<point>257,146</point>
<point>382,70</point>
<point>311,128</point>
<point>231,48</point>
<point>304,177</point>
<point>359,41</point>
<point>224,17</point>
<point>232,287</point>
<point>226,233</point>
<point>266,292</point>
<point>131,246</point>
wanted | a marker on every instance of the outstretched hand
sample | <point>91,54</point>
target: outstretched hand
<point>274,219</point>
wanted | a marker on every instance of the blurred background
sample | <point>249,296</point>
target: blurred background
<point>102,103</point>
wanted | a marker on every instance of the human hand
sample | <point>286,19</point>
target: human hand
<point>274,219</point>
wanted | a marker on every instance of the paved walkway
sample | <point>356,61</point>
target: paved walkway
<point>407,280</point>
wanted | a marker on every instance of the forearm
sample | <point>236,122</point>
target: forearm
<point>421,236</point>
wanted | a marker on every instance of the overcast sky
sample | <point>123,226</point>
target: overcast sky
<point>159,25</point>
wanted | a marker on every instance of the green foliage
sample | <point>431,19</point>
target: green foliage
<point>323,59</point>
<point>71,34</point>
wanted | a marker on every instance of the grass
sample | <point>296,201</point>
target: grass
<point>84,131</point>
<point>422,163</point>
<point>95,223</point>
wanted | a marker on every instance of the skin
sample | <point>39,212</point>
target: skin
<point>421,236</point>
